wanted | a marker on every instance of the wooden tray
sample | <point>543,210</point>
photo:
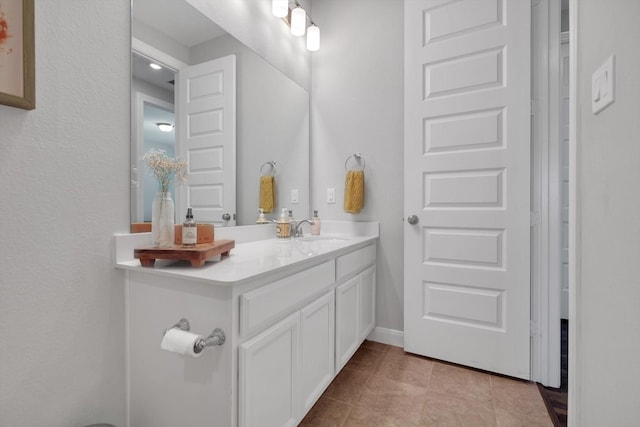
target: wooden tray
<point>197,254</point>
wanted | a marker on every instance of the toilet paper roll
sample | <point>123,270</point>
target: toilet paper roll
<point>181,342</point>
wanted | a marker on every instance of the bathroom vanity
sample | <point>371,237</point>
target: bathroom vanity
<point>294,312</point>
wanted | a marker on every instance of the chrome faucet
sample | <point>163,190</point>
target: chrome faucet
<point>297,228</point>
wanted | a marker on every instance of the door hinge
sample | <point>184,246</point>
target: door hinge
<point>535,3</point>
<point>534,107</point>
<point>534,219</point>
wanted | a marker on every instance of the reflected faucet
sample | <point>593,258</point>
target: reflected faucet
<point>297,228</point>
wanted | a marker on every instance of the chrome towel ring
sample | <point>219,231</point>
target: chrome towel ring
<point>359,159</point>
<point>272,164</point>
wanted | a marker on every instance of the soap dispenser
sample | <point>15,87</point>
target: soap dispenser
<point>315,227</point>
<point>189,230</point>
<point>261,218</point>
<point>292,224</point>
<point>283,227</point>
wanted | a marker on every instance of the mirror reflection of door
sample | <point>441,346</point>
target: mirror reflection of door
<point>206,113</point>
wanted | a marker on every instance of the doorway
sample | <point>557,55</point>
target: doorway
<point>152,105</point>
<point>550,188</point>
<point>550,222</point>
<point>549,185</point>
<point>467,184</point>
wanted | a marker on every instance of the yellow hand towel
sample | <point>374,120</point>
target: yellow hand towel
<point>267,193</point>
<point>354,192</point>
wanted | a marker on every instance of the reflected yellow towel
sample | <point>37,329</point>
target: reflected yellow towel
<point>354,192</point>
<point>267,193</point>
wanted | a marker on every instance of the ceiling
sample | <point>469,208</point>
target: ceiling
<point>140,69</point>
<point>178,20</point>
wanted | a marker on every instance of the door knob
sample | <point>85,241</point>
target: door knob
<point>413,219</point>
<point>226,217</point>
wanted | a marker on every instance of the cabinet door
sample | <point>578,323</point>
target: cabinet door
<point>347,337</point>
<point>317,325</point>
<point>367,302</point>
<point>268,378</point>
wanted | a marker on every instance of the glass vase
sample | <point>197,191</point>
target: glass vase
<point>162,221</point>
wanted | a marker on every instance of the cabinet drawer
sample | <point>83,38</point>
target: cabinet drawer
<point>355,261</point>
<point>263,306</point>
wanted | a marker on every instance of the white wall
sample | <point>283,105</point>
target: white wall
<point>609,294</point>
<point>357,105</point>
<point>64,190</point>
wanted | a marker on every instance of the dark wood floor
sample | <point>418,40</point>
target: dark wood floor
<point>556,398</point>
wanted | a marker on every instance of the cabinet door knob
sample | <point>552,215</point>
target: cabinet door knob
<point>413,219</point>
<point>226,217</point>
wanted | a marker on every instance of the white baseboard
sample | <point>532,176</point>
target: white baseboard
<point>387,336</point>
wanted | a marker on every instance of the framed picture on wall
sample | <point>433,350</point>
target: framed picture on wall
<point>17,54</point>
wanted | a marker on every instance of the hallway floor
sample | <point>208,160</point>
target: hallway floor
<point>384,386</point>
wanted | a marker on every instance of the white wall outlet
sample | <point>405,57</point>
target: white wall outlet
<point>331,195</point>
<point>603,86</point>
<point>294,197</point>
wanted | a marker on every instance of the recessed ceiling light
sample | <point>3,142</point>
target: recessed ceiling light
<point>165,127</point>
<point>155,66</point>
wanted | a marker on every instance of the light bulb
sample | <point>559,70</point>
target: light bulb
<point>280,8</point>
<point>313,38</point>
<point>155,66</point>
<point>298,21</point>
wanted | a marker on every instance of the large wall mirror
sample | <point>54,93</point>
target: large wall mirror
<point>271,119</point>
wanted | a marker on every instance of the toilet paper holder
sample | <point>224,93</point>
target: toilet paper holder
<point>216,337</point>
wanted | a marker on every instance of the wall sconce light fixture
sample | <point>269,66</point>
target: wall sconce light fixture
<point>298,22</point>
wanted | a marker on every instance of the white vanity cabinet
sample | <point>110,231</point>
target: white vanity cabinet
<point>286,368</point>
<point>289,330</point>
<point>317,346</point>
<point>270,375</point>
<point>355,301</point>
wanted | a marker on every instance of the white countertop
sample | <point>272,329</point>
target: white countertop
<point>256,259</point>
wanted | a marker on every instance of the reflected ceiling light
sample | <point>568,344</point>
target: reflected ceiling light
<point>313,38</point>
<point>155,66</point>
<point>280,8</point>
<point>165,127</point>
<point>298,21</point>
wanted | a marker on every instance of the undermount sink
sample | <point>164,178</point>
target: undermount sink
<point>325,238</point>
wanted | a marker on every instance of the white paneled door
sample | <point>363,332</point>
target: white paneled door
<point>467,182</point>
<point>206,123</point>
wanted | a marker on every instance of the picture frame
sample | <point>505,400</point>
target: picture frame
<point>17,54</point>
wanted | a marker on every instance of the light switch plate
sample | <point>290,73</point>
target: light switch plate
<point>331,195</point>
<point>603,86</point>
<point>294,196</point>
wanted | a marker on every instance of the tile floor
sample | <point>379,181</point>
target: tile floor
<point>384,386</point>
